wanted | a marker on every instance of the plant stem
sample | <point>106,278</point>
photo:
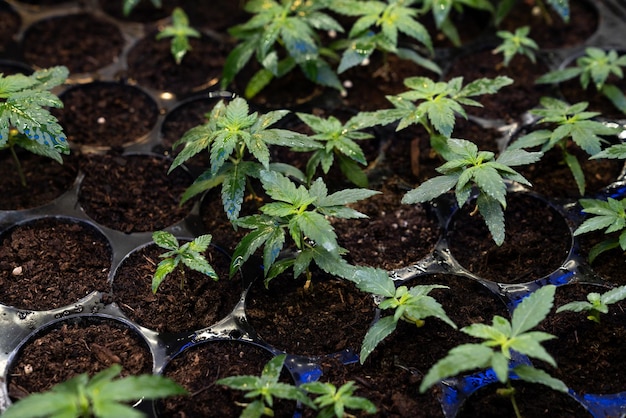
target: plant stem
<point>20,172</point>
<point>513,400</point>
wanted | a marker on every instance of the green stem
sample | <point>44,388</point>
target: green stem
<point>20,172</point>
<point>513,400</point>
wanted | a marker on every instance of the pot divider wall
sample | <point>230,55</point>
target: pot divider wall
<point>234,325</point>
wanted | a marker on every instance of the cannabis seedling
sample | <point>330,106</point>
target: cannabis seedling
<point>333,402</point>
<point>263,389</point>
<point>435,105</point>
<point>301,214</point>
<point>25,121</point>
<point>377,27</point>
<point>516,43</point>
<point>609,215</point>
<point>596,303</point>
<point>100,396</point>
<point>190,254</point>
<point>570,121</point>
<point>500,338</point>
<point>231,136</point>
<point>412,305</point>
<point>468,170</point>
<point>289,28</point>
<point>339,143</point>
<point>594,67</point>
<point>180,32</point>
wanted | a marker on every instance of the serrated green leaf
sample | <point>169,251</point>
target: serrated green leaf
<point>430,189</point>
<point>461,358</point>
<point>532,375</point>
<point>380,330</point>
<point>492,212</point>
<point>532,310</point>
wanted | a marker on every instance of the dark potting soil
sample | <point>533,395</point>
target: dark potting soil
<point>199,367</point>
<point>185,301</point>
<point>45,178</point>
<point>589,355</point>
<point>306,321</point>
<point>73,347</point>
<point>414,227</point>
<point>608,265</point>
<point>106,115</point>
<point>401,360</point>
<point>574,93</point>
<point>534,400</point>
<point>537,241</point>
<point>10,22</point>
<point>551,177</point>
<point>115,190</point>
<point>554,33</point>
<point>511,101</point>
<point>144,10</point>
<point>199,70</point>
<point>53,41</point>
<point>49,263</point>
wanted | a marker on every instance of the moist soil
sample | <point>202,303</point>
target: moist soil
<point>109,198</point>
<point>100,116</point>
<point>53,41</point>
<point>73,347</point>
<point>46,179</point>
<point>199,69</point>
<point>199,367</point>
<point>185,301</point>
<point>52,262</point>
<point>537,241</point>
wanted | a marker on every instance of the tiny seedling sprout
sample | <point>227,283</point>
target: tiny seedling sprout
<point>190,254</point>
<point>596,303</point>
<point>180,32</point>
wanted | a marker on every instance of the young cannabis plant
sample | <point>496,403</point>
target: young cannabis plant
<point>412,305</point>
<point>231,136</point>
<point>435,105</point>
<point>333,402</point>
<point>377,27</point>
<point>290,25</point>
<point>338,141</point>
<point>190,254</point>
<point>500,338</point>
<point>596,303</point>
<point>516,43</point>
<point>571,122</point>
<point>263,389</point>
<point>180,32</point>
<point>101,396</point>
<point>301,214</point>
<point>469,171</point>
<point>594,67</point>
<point>25,121</point>
<point>609,215</point>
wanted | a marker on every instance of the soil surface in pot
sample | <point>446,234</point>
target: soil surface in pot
<point>200,68</point>
<point>551,177</point>
<point>608,265</point>
<point>534,400</point>
<point>49,263</point>
<point>143,11</point>
<point>297,321</point>
<point>106,115</point>
<point>10,22</point>
<point>81,42</point>
<point>404,357</point>
<point>554,33</point>
<point>394,234</point>
<point>511,101</point>
<point>197,369</point>
<point>116,187</point>
<point>589,356</point>
<point>537,241</point>
<point>46,180</point>
<point>184,301</point>
<point>574,93</point>
<point>75,347</point>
